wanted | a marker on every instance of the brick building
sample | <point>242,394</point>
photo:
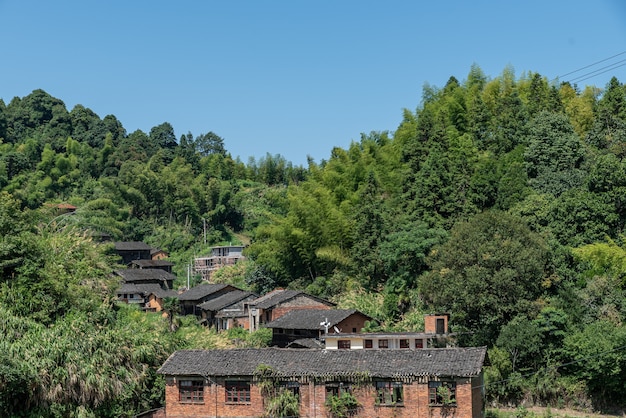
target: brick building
<point>314,323</point>
<point>277,303</point>
<point>426,383</point>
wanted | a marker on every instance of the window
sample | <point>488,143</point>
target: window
<point>191,391</point>
<point>294,387</point>
<point>442,393</point>
<point>337,388</point>
<point>343,344</point>
<point>368,344</point>
<point>419,343</point>
<point>237,392</point>
<point>389,393</point>
<point>383,343</point>
<point>404,343</point>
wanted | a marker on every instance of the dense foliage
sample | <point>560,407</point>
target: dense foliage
<point>501,201</point>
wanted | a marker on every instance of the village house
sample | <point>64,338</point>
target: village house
<point>158,254</point>
<point>227,311</point>
<point>425,383</point>
<point>314,324</point>
<point>132,250</point>
<point>435,335</point>
<point>219,257</point>
<point>155,299</point>
<point>152,264</point>
<point>192,298</point>
<point>275,304</point>
<point>135,293</point>
<point>147,276</point>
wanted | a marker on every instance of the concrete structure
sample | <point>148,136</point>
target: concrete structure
<point>218,258</point>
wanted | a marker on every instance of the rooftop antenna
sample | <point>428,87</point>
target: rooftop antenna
<point>325,324</point>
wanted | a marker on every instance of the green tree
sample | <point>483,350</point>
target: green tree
<point>554,154</point>
<point>596,356</point>
<point>489,271</point>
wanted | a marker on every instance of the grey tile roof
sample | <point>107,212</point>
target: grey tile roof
<point>225,300</point>
<point>306,343</point>
<point>328,364</point>
<point>144,289</point>
<point>161,293</point>
<point>129,288</point>
<point>152,263</point>
<point>142,275</point>
<point>202,290</point>
<point>131,246</point>
<point>279,296</point>
<point>312,318</point>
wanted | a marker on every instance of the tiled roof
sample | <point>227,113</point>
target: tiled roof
<point>144,289</point>
<point>162,293</point>
<point>305,343</point>
<point>391,364</point>
<point>141,275</point>
<point>129,288</point>
<point>132,246</point>
<point>279,296</point>
<point>201,291</point>
<point>312,318</point>
<point>224,300</point>
<point>152,263</point>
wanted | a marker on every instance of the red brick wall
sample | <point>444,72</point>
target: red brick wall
<point>430,323</point>
<point>312,399</point>
<point>355,321</point>
<point>296,303</point>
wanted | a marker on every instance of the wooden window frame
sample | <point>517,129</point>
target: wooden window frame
<point>237,391</point>
<point>343,344</point>
<point>384,344</point>
<point>405,343</point>
<point>191,391</point>
<point>368,343</point>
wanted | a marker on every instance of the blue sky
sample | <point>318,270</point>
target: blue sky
<point>294,78</point>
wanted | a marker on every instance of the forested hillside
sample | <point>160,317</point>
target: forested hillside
<point>499,200</point>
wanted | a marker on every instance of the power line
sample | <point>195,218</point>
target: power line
<point>590,65</point>
<point>599,71</point>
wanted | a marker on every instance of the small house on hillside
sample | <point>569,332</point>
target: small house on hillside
<point>315,324</point>
<point>155,299</point>
<point>275,304</point>
<point>219,257</point>
<point>427,383</point>
<point>136,293</point>
<point>152,264</point>
<point>226,311</point>
<point>158,254</point>
<point>147,276</point>
<point>132,250</point>
<point>192,298</point>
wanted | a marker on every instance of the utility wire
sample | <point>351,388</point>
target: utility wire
<point>597,72</point>
<point>587,66</point>
<point>545,369</point>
